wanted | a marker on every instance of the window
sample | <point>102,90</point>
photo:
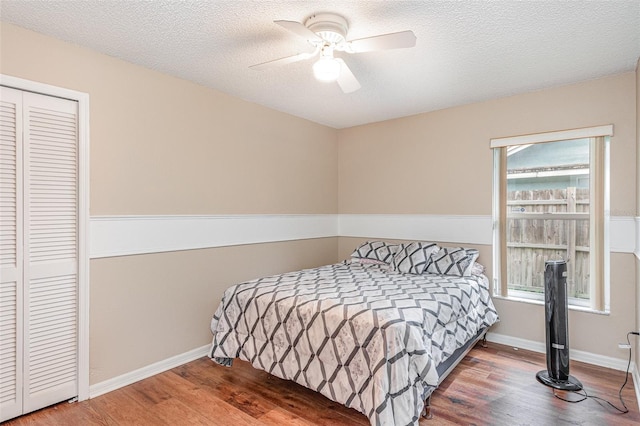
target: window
<point>551,202</point>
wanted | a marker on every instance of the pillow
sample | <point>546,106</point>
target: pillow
<point>413,258</point>
<point>365,261</point>
<point>455,261</point>
<point>477,269</point>
<point>375,250</point>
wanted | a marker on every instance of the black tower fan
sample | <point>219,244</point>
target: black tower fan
<point>557,329</point>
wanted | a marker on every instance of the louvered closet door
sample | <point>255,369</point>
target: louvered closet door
<point>10,253</point>
<point>38,251</point>
<point>50,250</point>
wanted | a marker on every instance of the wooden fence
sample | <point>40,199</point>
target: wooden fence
<point>530,242</point>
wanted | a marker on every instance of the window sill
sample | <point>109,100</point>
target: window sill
<point>541,303</point>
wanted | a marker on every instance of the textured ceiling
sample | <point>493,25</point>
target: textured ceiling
<point>466,51</point>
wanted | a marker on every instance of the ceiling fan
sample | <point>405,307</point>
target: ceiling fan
<point>327,33</point>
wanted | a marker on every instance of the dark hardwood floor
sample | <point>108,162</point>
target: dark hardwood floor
<point>491,386</point>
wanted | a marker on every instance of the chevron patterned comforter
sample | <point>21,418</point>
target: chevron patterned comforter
<point>360,335</point>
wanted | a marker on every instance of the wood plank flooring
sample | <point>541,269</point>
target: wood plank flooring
<point>491,386</point>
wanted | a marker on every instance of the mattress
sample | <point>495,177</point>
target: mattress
<point>361,335</point>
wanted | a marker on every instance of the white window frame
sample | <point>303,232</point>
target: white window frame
<point>500,290</point>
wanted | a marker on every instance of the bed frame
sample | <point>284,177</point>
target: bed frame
<point>450,363</point>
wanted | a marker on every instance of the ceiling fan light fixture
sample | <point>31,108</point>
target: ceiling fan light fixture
<point>327,33</point>
<point>326,69</point>
<point>330,27</point>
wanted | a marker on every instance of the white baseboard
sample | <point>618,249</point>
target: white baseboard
<point>582,356</point>
<point>148,371</point>
<point>576,355</point>
<point>175,361</point>
<point>635,375</point>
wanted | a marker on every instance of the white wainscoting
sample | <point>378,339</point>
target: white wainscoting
<point>637,250</point>
<point>128,235</point>
<point>622,234</point>
<point>450,228</point>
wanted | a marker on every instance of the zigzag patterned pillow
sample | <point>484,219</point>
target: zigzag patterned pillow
<point>375,250</point>
<point>413,258</point>
<point>455,261</point>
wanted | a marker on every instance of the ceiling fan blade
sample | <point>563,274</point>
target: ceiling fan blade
<point>283,61</point>
<point>299,29</point>
<point>383,42</point>
<point>347,81</point>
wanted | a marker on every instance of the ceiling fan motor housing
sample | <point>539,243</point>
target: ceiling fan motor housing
<point>330,27</point>
<point>327,32</point>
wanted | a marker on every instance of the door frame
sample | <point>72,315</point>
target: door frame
<point>83,213</point>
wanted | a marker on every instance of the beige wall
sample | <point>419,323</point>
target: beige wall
<point>447,152</point>
<point>161,145</point>
<point>440,163</point>
<point>147,308</point>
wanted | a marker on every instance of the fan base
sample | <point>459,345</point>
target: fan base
<point>571,384</point>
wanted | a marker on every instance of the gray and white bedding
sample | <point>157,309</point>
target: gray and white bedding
<point>361,334</point>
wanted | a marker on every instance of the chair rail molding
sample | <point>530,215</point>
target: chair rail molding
<point>129,235</point>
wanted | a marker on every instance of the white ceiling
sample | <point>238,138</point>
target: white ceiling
<point>466,51</point>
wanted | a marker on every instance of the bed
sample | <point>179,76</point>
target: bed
<point>377,332</point>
